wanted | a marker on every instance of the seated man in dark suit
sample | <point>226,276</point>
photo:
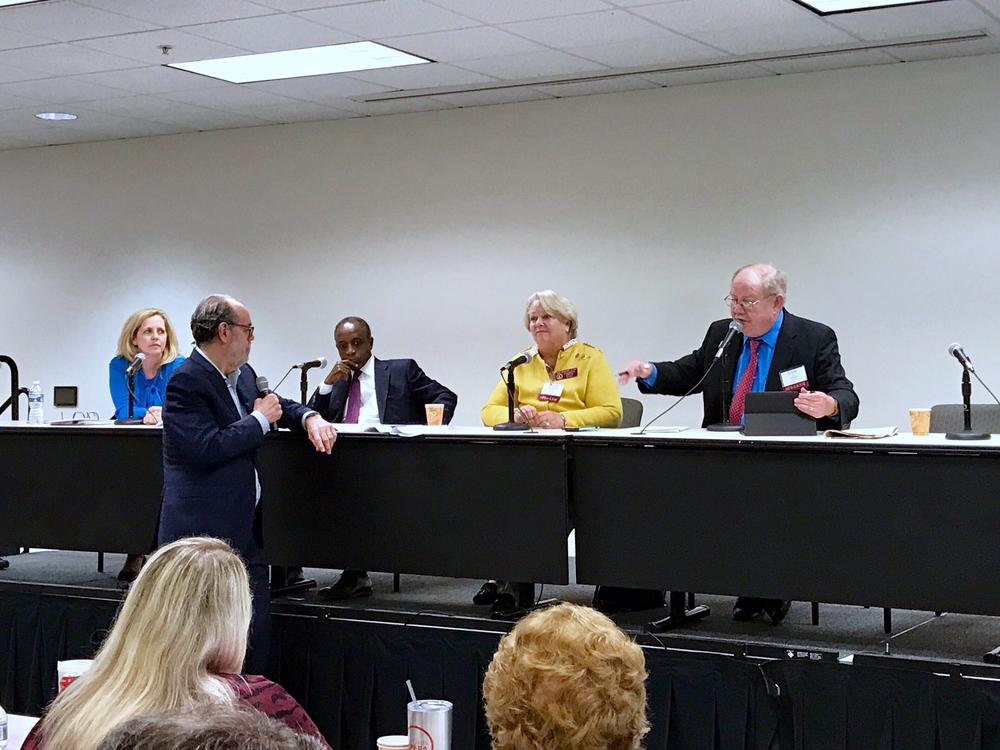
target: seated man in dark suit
<point>776,351</point>
<point>362,389</point>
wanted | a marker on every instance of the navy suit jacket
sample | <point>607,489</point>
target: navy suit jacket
<point>210,452</point>
<point>401,389</point>
<point>800,342</point>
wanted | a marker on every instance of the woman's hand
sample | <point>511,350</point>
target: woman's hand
<point>525,414</point>
<point>153,415</point>
<point>549,420</point>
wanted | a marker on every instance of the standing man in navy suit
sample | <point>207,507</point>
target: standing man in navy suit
<point>214,420</point>
<point>362,389</point>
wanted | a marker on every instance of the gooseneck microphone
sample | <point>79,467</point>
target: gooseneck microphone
<point>520,359</point>
<point>734,328</point>
<point>958,353</point>
<point>320,362</point>
<point>135,364</point>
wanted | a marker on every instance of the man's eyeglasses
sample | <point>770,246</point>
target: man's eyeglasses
<point>243,325</point>
<point>745,304</point>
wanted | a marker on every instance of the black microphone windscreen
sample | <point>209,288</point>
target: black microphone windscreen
<point>262,385</point>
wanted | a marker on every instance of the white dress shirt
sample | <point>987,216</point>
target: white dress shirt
<point>369,402</point>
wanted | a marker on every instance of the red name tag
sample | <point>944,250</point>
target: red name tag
<point>563,374</point>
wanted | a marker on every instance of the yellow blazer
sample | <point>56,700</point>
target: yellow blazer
<point>589,397</point>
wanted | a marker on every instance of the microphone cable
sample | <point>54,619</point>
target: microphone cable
<point>669,408</point>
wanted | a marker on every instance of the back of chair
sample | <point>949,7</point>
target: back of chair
<point>948,418</point>
<point>631,412</point>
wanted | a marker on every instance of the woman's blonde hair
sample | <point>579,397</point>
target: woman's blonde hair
<point>128,350</point>
<point>566,678</point>
<point>557,305</point>
<point>184,622</point>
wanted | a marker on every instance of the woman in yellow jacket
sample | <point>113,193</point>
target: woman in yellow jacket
<point>566,383</point>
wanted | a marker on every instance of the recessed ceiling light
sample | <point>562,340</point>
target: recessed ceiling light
<point>55,116</point>
<point>828,7</point>
<point>297,63</point>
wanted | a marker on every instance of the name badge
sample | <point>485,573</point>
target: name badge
<point>551,392</point>
<point>563,374</point>
<point>794,379</point>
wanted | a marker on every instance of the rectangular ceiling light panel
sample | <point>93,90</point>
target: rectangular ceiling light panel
<point>827,7</point>
<point>298,63</point>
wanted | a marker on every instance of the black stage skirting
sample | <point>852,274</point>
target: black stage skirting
<point>350,676</point>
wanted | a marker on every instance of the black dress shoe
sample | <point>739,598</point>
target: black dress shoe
<point>747,608</point>
<point>351,585</point>
<point>487,593</point>
<point>505,602</point>
<point>776,609</point>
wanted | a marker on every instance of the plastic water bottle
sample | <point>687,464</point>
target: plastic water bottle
<point>36,410</point>
<point>3,729</point>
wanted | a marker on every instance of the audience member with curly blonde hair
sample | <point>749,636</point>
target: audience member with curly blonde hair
<point>566,678</point>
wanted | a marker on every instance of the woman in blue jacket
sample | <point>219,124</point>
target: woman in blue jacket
<point>147,331</point>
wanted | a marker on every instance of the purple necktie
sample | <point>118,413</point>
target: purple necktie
<point>353,401</point>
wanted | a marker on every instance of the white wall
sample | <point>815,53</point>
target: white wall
<point>876,189</point>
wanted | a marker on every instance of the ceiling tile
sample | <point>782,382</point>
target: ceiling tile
<point>59,90</point>
<point>232,98</point>
<point>145,47</point>
<point>913,20</point>
<point>149,108</point>
<point>14,39</point>
<point>494,96</point>
<point>181,12</point>
<point>985,46</point>
<point>463,44</point>
<point>688,16</point>
<point>605,27</point>
<point>10,73</point>
<point>492,11</point>
<point>66,21</point>
<point>660,50</point>
<point>271,33</point>
<point>293,5</point>
<point>11,100</point>
<point>547,63</point>
<point>296,111</point>
<point>827,62</point>
<point>63,59</point>
<point>709,75</point>
<point>320,89</point>
<point>151,79</point>
<point>422,76</point>
<point>768,38</point>
<point>387,18</point>
<point>990,6</point>
<point>600,86</point>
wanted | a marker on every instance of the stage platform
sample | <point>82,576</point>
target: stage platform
<point>714,683</point>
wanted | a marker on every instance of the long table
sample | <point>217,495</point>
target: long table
<point>902,522</point>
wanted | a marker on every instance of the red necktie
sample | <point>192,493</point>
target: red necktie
<point>353,401</point>
<point>744,386</point>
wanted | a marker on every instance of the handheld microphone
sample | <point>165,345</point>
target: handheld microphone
<point>520,359</point>
<point>264,389</point>
<point>136,363</point>
<point>734,328</point>
<point>958,353</point>
<point>321,362</point>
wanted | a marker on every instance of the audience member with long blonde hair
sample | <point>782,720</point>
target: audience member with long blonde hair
<point>178,643</point>
<point>566,678</point>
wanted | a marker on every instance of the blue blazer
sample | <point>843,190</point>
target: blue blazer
<point>401,389</point>
<point>147,392</point>
<point>210,453</point>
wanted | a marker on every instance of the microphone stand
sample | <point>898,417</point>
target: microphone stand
<point>968,433</point>
<point>510,425</point>
<point>14,402</point>
<point>131,419</point>
<point>725,425</point>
